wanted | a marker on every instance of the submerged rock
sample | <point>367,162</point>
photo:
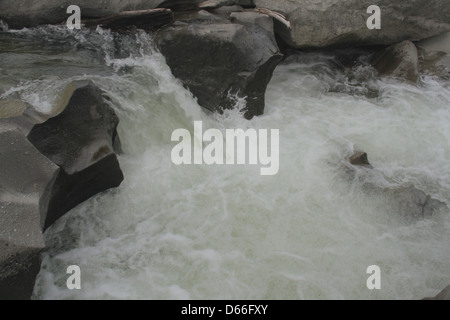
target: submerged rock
<point>217,58</point>
<point>343,22</point>
<point>407,201</point>
<point>48,165</point>
<point>400,60</point>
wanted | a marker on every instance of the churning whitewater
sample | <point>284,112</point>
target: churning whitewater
<point>226,232</point>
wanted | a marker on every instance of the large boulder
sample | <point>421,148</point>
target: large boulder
<point>400,60</point>
<point>343,22</point>
<point>217,58</point>
<point>81,140</point>
<point>49,163</point>
<point>30,13</point>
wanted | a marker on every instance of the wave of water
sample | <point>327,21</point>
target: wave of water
<point>225,232</point>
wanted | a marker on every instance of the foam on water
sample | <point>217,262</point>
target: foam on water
<point>225,232</point>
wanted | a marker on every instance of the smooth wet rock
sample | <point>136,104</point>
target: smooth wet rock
<point>343,22</point>
<point>143,19</point>
<point>216,59</point>
<point>30,13</point>
<point>27,178</point>
<point>400,60</point>
<point>80,140</point>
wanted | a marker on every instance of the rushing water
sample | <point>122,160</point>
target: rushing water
<point>226,232</point>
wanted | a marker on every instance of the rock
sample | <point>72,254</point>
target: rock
<point>443,295</point>
<point>343,22</point>
<point>20,115</point>
<point>213,4</point>
<point>26,180</point>
<point>440,43</point>
<point>181,5</point>
<point>217,58</point>
<point>143,19</point>
<point>412,202</point>
<point>245,3</point>
<point>434,55</point>
<point>406,201</point>
<point>400,60</point>
<point>227,10</point>
<point>30,13</point>
<point>80,140</point>
<point>360,159</point>
<point>48,165</point>
<point>11,108</point>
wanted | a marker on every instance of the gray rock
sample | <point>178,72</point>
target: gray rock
<point>213,4</point>
<point>343,22</point>
<point>214,59</point>
<point>443,295</point>
<point>407,202</point>
<point>400,60</point>
<point>227,10</point>
<point>19,114</point>
<point>143,19</point>
<point>30,13</point>
<point>360,159</point>
<point>26,180</point>
<point>48,165</point>
<point>80,140</point>
<point>440,43</point>
<point>434,55</point>
<point>246,3</point>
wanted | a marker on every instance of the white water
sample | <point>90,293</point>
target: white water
<point>225,232</point>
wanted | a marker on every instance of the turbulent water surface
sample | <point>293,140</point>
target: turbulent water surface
<point>226,232</point>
